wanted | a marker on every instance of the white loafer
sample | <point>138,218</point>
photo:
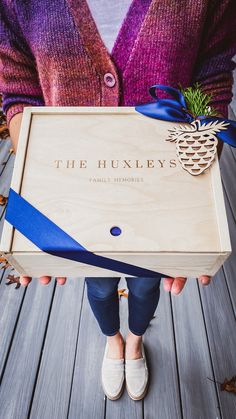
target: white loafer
<point>136,374</point>
<point>113,376</point>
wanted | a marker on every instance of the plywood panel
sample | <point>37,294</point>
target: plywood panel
<point>86,199</point>
<point>90,169</point>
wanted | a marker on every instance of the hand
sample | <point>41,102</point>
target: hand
<point>14,129</point>
<point>44,280</point>
<point>175,285</point>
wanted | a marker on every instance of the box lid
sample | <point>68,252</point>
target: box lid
<point>91,169</point>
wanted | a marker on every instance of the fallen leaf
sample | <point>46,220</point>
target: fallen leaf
<point>229,385</point>
<point>122,293</point>
<point>5,262</point>
<point>3,200</point>
<point>14,280</point>
<point>4,133</point>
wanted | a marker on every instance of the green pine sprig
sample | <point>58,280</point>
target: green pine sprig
<point>198,102</point>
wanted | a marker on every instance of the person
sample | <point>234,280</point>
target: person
<point>103,53</point>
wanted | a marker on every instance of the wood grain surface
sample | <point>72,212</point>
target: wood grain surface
<point>90,169</point>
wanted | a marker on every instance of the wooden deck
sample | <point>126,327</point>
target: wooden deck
<point>51,348</point>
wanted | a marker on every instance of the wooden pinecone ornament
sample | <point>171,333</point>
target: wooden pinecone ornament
<point>196,144</point>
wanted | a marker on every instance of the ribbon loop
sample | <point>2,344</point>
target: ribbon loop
<point>175,93</point>
<point>175,110</point>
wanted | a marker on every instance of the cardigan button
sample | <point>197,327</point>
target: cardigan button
<point>109,80</point>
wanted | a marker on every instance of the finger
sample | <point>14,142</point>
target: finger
<point>168,283</point>
<point>44,280</point>
<point>61,280</point>
<point>178,285</point>
<point>205,279</point>
<point>25,280</point>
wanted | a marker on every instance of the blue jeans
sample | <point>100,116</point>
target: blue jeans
<point>143,298</point>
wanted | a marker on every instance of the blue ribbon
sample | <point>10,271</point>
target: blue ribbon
<point>50,238</point>
<point>175,110</point>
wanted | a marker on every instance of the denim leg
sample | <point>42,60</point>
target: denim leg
<point>104,301</point>
<point>144,294</point>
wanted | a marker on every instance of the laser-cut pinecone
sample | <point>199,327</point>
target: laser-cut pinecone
<point>196,144</point>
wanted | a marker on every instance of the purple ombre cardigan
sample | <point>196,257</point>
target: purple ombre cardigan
<point>51,52</point>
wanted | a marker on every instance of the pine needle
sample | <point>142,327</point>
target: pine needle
<point>198,102</point>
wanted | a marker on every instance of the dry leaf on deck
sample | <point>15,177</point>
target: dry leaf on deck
<point>122,293</point>
<point>229,385</point>
<point>13,280</point>
<point>5,262</point>
<point>3,200</point>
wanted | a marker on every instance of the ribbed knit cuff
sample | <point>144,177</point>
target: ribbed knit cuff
<point>14,109</point>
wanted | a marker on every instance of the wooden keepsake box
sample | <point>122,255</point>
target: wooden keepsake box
<point>110,180</point>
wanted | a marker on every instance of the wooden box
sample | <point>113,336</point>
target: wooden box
<point>90,169</point>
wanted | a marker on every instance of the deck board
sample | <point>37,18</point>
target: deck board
<point>220,323</point>
<point>163,398</point>
<point>10,305</point>
<point>87,398</point>
<point>5,173</point>
<point>52,391</point>
<point>198,394</point>
<point>228,172</point>
<point>21,369</point>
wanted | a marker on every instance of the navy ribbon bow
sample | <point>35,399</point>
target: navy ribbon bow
<point>175,110</point>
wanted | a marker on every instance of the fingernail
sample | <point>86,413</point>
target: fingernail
<point>175,290</point>
<point>205,282</point>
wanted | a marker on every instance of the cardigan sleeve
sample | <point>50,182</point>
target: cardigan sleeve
<point>215,64</point>
<point>19,83</point>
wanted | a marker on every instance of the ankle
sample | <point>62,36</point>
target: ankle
<point>115,346</point>
<point>133,346</point>
<point>117,338</point>
<point>133,339</point>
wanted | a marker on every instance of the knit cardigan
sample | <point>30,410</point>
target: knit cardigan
<point>51,53</point>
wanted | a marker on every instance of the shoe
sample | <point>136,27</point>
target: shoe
<point>136,375</point>
<point>113,376</point>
